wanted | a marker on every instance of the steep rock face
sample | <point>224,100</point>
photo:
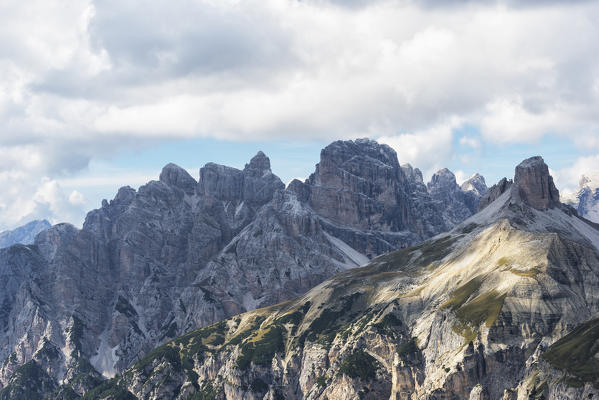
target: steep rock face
<point>24,234</point>
<point>178,254</point>
<point>455,203</point>
<point>414,176</point>
<point>359,184</point>
<point>505,306</point>
<point>534,185</point>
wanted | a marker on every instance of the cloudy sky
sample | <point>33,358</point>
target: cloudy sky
<point>99,94</point>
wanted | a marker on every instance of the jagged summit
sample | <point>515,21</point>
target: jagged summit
<point>443,179</point>
<point>174,175</point>
<point>260,163</point>
<point>476,183</point>
<point>534,186</point>
<point>349,154</point>
<point>531,203</point>
<point>589,179</point>
<point>413,174</point>
<point>494,192</point>
<point>586,199</point>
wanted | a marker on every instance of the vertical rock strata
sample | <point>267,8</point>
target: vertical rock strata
<point>534,185</point>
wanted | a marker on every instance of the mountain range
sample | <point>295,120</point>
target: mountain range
<point>503,306</point>
<point>81,305</point>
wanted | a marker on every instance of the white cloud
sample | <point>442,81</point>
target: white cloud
<point>460,176</point>
<point>76,198</point>
<point>567,179</point>
<point>430,149</point>
<point>257,69</point>
<point>470,142</point>
<point>28,199</point>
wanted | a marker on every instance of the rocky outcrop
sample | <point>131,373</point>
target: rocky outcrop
<point>455,203</point>
<point>23,234</point>
<point>175,176</point>
<point>414,176</point>
<point>179,254</point>
<point>534,186</point>
<point>504,306</point>
<point>476,184</point>
<point>494,192</point>
<point>360,185</point>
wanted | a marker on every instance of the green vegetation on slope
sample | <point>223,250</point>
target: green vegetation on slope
<point>29,382</point>
<point>262,348</point>
<point>110,389</point>
<point>389,324</point>
<point>471,313</point>
<point>240,337</point>
<point>576,353</point>
<point>435,250</point>
<point>407,350</point>
<point>181,351</point>
<point>484,308</point>
<point>295,317</point>
<point>462,293</point>
<point>534,271</point>
<point>359,364</point>
<point>406,261</point>
<point>207,392</point>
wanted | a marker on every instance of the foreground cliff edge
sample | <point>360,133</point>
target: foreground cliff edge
<point>506,305</point>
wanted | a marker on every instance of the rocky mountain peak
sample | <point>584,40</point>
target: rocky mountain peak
<point>413,174</point>
<point>258,165</point>
<point>494,192</point>
<point>589,180</point>
<point>476,183</point>
<point>125,195</point>
<point>443,181</point>
<point>174,175</point>
<point>358,157</point>
<point>534,186</point>
<point>255,184</point>
<point>586,199</point>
